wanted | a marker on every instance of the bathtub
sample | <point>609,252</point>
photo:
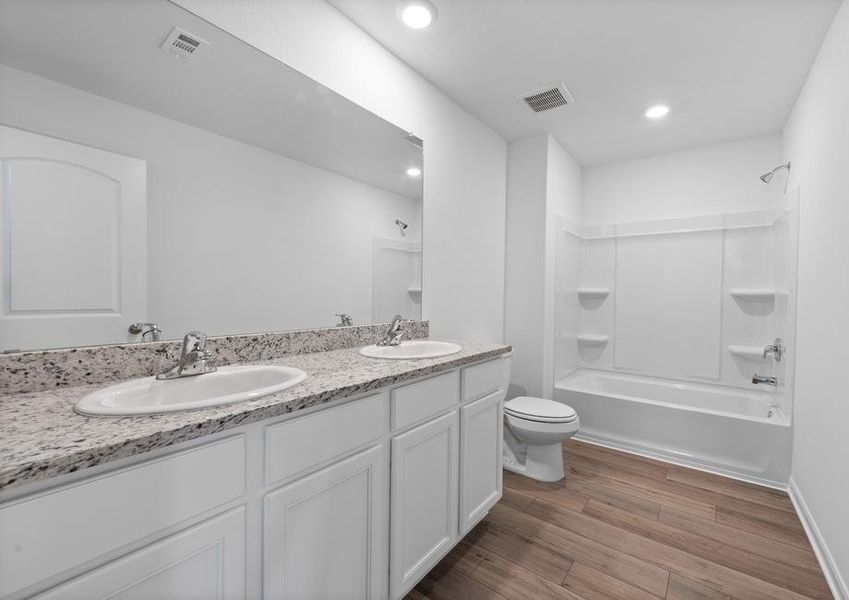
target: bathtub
<point>725,430</point>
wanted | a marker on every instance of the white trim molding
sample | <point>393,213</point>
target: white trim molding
<point>835,580</point>
<point>694,224</point>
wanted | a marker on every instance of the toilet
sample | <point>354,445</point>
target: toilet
<point>534,430</point>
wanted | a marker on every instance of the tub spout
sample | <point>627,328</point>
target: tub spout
<point>764,379</point>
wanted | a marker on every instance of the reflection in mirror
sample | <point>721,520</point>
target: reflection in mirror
<point>160,174</point>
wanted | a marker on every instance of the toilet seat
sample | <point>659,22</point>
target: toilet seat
<point>540,410</point>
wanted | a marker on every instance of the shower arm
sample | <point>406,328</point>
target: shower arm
<point>767,177</point>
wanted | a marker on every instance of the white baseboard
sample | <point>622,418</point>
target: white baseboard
<point>829,567</point>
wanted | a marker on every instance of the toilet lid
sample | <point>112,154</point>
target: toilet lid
<point>540,409</point>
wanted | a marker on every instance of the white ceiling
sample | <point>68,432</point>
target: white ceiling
<point>728,68</point>
<point>111,49</point>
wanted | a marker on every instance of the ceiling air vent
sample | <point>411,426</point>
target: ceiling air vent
<point>182,44</point>
<point>548,97</point>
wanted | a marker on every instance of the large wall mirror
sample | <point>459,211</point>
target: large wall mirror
<point>155,169</point>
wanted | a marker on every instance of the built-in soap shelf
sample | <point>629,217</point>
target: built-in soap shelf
<point>588,339</point>
<point>414,290</point>
<point>592,293</point>
<point>748,352</point>
<point>756,294</point>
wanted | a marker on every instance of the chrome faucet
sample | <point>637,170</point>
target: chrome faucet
<point>194,358</point>
<point>776,348</point>
<point>394,334</point>
<point>766,380</point>
<point>345,320</point>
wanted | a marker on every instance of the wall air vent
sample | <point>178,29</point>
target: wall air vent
<point>548,97</point>
<point>182,44</point>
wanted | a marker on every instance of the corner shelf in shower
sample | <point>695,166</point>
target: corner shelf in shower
<point>588,339</point>
<point>756,294</point>
<point>414,290</point>
<point>593,292</point>
<point>748,352</point>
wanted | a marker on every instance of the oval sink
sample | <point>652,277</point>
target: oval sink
<point>412,350</point>
<point>226,385</point>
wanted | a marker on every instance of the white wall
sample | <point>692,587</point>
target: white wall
<point>543,185</point>
<point>465,161</point>
<point>702,181</point>
<point>816,140</point>
<point>563,203</point>
<point>239,239</point>
<point>524,304</point>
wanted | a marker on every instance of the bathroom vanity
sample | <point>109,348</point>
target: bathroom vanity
<point>353,484</point>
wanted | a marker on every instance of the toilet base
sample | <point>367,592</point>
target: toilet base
<point>541,462</point>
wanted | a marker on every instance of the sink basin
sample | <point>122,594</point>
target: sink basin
<point>226,385</point>
<point>412,350</point>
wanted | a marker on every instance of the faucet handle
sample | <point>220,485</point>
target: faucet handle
<point>144,329</point>
<point>194,340</point>
<point>776,348</point>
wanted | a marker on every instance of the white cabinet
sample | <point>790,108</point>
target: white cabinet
<point>306,444</point>
<point>481,424</point>
<point>417,402</point>
<point>205,561</point>
<point>47,534</point>
<point>324,534</point>
<point>356,500</point>
<point>425,465</point>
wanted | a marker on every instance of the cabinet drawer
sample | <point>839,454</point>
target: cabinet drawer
<point>485,378</point>
<point>416,402</point>
<point>58,530</point>
<point>295,446</point>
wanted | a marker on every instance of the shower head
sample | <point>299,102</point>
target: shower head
<point>767,177</point>
<point>401,224</point>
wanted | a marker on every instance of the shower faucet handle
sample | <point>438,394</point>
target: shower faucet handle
<point>776,348</point>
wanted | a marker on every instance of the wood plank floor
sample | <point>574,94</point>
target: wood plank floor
<point>631,528</point>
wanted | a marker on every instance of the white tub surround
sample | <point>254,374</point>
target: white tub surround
<point>353,484</point>
<point>739,433</point>
<point>695,299</point>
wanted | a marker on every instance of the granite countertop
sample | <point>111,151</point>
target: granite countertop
<point>41,436</point>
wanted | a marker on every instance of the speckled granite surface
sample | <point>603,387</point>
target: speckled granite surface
<point>41,436</point>
<point>50,369</point>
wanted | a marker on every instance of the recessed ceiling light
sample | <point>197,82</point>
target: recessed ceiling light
<point>658,111</point>
<point>416,14</point>
<point>414,171</point>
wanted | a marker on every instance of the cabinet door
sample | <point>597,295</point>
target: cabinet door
<point>325,533</point>
<point>481,424</point>
<point>205,561</point>
<point>425,464</point>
